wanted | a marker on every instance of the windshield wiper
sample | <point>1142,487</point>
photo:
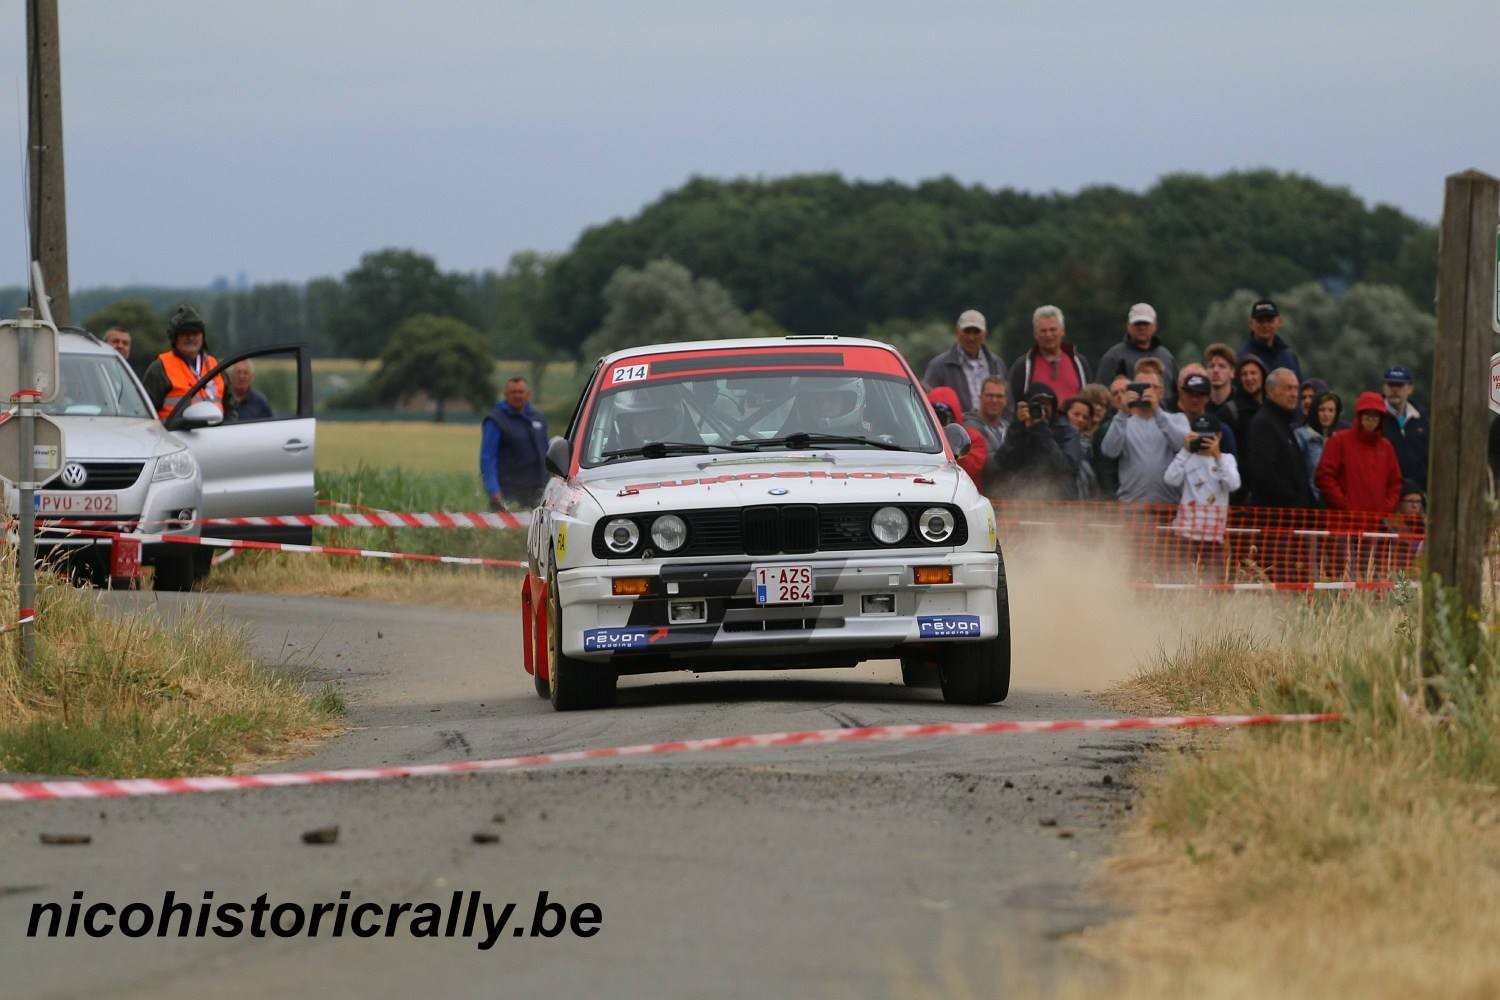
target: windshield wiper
<point>661,449</point>
<point>806,439</point>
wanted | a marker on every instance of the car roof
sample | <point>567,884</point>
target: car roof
<point>78,342</point>
<point>753,343</point>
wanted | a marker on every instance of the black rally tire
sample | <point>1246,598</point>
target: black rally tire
<point>978,673</point>
<point>542,685</point>
<point>573,684</point>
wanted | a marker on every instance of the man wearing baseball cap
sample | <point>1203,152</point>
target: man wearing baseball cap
<point>1407,427</point>
<point>964,366</point>
<point>1140,342</point>
<point>1192,402</point>
<point>1265,340</point>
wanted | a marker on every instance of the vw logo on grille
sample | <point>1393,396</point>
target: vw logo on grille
<point>777,491</point>
<point>74,475</point>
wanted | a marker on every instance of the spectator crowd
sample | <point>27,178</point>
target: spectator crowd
<point>1242,425</point>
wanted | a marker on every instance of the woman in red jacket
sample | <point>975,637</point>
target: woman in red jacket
<point>1359,473</point>
<point>1359,470</point>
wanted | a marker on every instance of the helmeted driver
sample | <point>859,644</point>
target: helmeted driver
<point>827,406</point>
<point>647,415</point>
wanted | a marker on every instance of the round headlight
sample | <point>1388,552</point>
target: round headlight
<point>669,532</point>
<point>936,524</point>
<point>889,525</point>
<point>621,535</point>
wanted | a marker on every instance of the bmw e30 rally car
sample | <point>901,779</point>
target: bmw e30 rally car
<point>769,503</point>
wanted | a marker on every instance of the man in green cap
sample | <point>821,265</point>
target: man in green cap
<point>175,371</point>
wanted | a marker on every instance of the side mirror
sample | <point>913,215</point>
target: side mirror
<point>201,414</point>
<point>559,457</point>
<point>958,439</point>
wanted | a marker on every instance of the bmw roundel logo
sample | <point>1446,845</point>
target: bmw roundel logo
<point>74,475</point>
<point>777,491</point>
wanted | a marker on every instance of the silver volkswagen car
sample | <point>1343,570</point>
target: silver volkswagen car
<point>125,470</point>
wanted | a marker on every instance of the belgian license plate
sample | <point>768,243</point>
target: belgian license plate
<point>78,504</point>
<point>783,584</point>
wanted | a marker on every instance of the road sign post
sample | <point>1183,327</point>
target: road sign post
<point>31,454</point>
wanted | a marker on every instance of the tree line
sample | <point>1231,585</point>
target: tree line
<point>823,254</point>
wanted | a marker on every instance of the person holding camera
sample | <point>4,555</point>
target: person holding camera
<point>1206,474</point>
<point>1145,442</point>
<point>1043,456</point>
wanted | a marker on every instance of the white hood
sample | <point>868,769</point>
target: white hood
<point>739,480</point>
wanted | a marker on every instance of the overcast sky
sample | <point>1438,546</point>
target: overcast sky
<point>283,139</point>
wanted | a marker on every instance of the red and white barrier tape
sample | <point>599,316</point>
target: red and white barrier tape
<point>383,519</point>
<point>327,550</point>
<point>23,791</point>
<point>27,616</point>
<point>1330,585</point>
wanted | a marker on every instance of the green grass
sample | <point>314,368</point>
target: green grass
<point>415,447</point>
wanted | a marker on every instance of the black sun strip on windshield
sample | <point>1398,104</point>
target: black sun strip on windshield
<point>770,359</point>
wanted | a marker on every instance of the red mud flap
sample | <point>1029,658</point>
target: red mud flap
<point>125,558</point>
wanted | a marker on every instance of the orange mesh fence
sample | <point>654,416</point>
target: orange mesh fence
<point>1228,547</point>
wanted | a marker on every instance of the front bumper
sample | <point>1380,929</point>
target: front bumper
<point>601,626</point>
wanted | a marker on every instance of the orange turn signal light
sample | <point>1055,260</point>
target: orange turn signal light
<point>933,574</point>
<point>631,586</point>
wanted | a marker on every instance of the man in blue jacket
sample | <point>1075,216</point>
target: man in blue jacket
<point>1407,428</point>
<point>513,449</point>
<point>1265,340</point>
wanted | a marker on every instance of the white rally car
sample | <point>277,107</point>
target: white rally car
<point>769,503</point>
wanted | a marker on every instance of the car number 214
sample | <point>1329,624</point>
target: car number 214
<point>783,585</point>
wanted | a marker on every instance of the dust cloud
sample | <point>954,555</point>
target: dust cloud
<point>1077,624</point>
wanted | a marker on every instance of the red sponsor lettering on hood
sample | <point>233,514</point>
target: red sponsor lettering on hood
<point>739,477</point>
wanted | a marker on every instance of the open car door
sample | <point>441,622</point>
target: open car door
<point>255,468</point>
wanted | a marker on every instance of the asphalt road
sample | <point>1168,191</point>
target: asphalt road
<point>861,870</point>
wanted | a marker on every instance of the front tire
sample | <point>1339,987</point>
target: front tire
<point>572,684</point>
<point>978,673</point>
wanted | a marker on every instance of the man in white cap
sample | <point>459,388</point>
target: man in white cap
<point>964,366</point>
<point>1140,342</point>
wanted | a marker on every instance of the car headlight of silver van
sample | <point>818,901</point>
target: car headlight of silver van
<point>177,465</point>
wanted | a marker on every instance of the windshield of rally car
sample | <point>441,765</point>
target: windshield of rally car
<point>743,409</point>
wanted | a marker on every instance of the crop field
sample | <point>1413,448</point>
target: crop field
<point>415,446</point>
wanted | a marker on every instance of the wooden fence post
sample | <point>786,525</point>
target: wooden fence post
<point>1458,524</point>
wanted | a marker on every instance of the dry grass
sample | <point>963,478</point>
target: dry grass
<point>1361,859</point>
<point>131,696</point>
<point>477,588</point>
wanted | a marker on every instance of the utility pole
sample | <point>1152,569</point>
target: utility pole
<point>44,147</point>
<point>1458,532</point>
